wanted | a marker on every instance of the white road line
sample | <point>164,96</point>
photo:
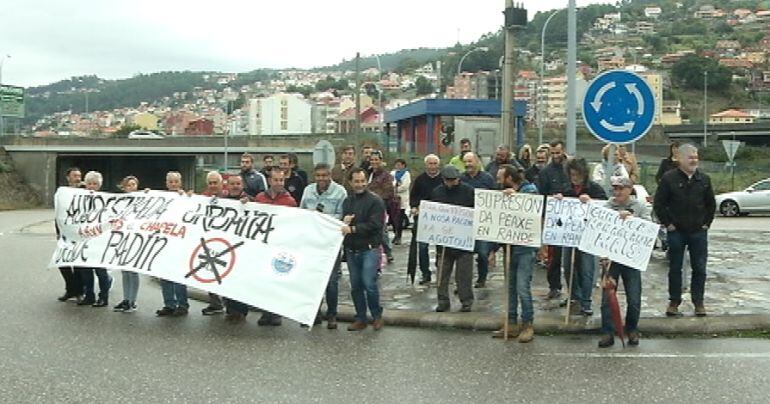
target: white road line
<point>733,355</point>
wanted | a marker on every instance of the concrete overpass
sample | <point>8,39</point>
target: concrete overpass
<point>754,134</point>
<point>43,161</point>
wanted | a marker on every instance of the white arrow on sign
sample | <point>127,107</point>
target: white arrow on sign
<point>631,87</point>
<point>626,127</point>
<point>731,147</point>
<point>597,102</point>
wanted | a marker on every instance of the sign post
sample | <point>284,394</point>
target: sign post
<point>731,147</point>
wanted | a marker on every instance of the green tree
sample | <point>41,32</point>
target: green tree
<point>423,86</point>
<point>688,72</point>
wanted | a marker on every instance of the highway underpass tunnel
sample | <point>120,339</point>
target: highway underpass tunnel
<point>150,170</point>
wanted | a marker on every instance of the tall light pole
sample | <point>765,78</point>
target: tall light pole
<point>571,78</point>
<point>379,92</point>
<point>705,107</point>
<point>2,119</point>
<point>479,49</point>
<point>540,112</point>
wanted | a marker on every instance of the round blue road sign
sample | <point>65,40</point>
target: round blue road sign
<point>618,107</point>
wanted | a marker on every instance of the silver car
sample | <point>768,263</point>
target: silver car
<point>755,198</point>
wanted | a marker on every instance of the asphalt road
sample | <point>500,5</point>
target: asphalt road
<point>58,352</point>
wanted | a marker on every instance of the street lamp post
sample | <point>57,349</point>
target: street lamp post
<point>540,112</point>
<point>479,49</point>
<point>705,108</point>
<point>2,119</point>
<point>379,93</point>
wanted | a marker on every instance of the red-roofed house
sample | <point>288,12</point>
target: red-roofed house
<point>730,116</point>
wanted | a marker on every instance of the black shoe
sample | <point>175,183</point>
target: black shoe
<point>606,341</point>
<point>165,312</point>
<point>100,303</point>
<point>86,302</point>
<point>424,281</point>
<point>265,319</point>
<point>122,306</point>
<point>480,284</point>
<point>587,312</point>
<point>397,241</point>
<point>66,296</point>
<point>553,294</point>
<point>130,307</point>
<point>276,320</point>
<point>180,311</point>
<point>442,308</point>
<point>212,310</point>
<point>633,338</point>
<point>465,308</point>
<point>390,258</point>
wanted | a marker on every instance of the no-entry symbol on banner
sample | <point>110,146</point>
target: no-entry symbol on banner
<point>216,256</point>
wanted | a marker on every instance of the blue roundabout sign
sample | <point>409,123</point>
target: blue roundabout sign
<point>619,107</point>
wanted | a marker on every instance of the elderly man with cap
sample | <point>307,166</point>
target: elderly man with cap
<point>454,192</point>
<point>626,205</point>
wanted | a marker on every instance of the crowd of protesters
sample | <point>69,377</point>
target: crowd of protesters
<point>367,196</point>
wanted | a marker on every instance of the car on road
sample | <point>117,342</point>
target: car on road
<point>143,134</point>
<point>753,199</point>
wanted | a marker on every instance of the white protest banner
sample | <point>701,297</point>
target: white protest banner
<point>628,241</point>
<point>565,221</point>
<point>272,257</point>
<point>446,225</point>
<point>508,219</point>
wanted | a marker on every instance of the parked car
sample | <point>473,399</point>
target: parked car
<point>143,134</point>
<point>753,199</point>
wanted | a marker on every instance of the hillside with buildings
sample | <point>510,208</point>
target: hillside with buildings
<point>677,46</point>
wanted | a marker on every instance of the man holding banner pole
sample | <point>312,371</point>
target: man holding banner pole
<point>521,262</point>
<point>326,196</point>
<point>453,192</point>
<point>478,179</point>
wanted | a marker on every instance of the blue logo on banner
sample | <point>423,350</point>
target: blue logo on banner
<point>619,107</point>
<point>283,263</point>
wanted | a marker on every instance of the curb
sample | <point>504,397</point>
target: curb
<point>555,323</point>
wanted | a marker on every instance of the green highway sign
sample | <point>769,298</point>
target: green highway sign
<point>12,101</point>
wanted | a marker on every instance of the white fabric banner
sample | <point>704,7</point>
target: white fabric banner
<point>445,225</point>
<point>508,219</point>
<point>629,242</point>
<point>273,257</point>
<point>565,221</point>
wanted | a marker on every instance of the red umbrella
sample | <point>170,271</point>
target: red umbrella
<point>612,301</point>
<point>610,289</point>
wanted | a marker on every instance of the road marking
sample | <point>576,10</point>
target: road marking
<point>733,355</point>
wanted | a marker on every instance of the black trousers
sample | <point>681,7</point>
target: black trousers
<point>73,284</point>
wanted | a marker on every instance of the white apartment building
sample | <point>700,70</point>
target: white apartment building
<point>280,114</point>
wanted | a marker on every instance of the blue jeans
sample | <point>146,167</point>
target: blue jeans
<point>130,286</point>
<point>697,242</point>
<point>105,282</point>
<point>363,266</point>
<point>332,289</point>
<point>174,294</point>
<point>482,259</point>
<point>583,281</point>
<point>522,263</point>
<point>632,284</point>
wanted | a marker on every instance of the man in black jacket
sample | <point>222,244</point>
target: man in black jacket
<point>253,181</point>
<point>552,180</point>
<point>684,203</point>
<point>363,213</point>
<point>453,192</point>
<point>422,188</point>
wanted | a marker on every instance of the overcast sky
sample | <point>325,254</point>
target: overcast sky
<point>51,40</point>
